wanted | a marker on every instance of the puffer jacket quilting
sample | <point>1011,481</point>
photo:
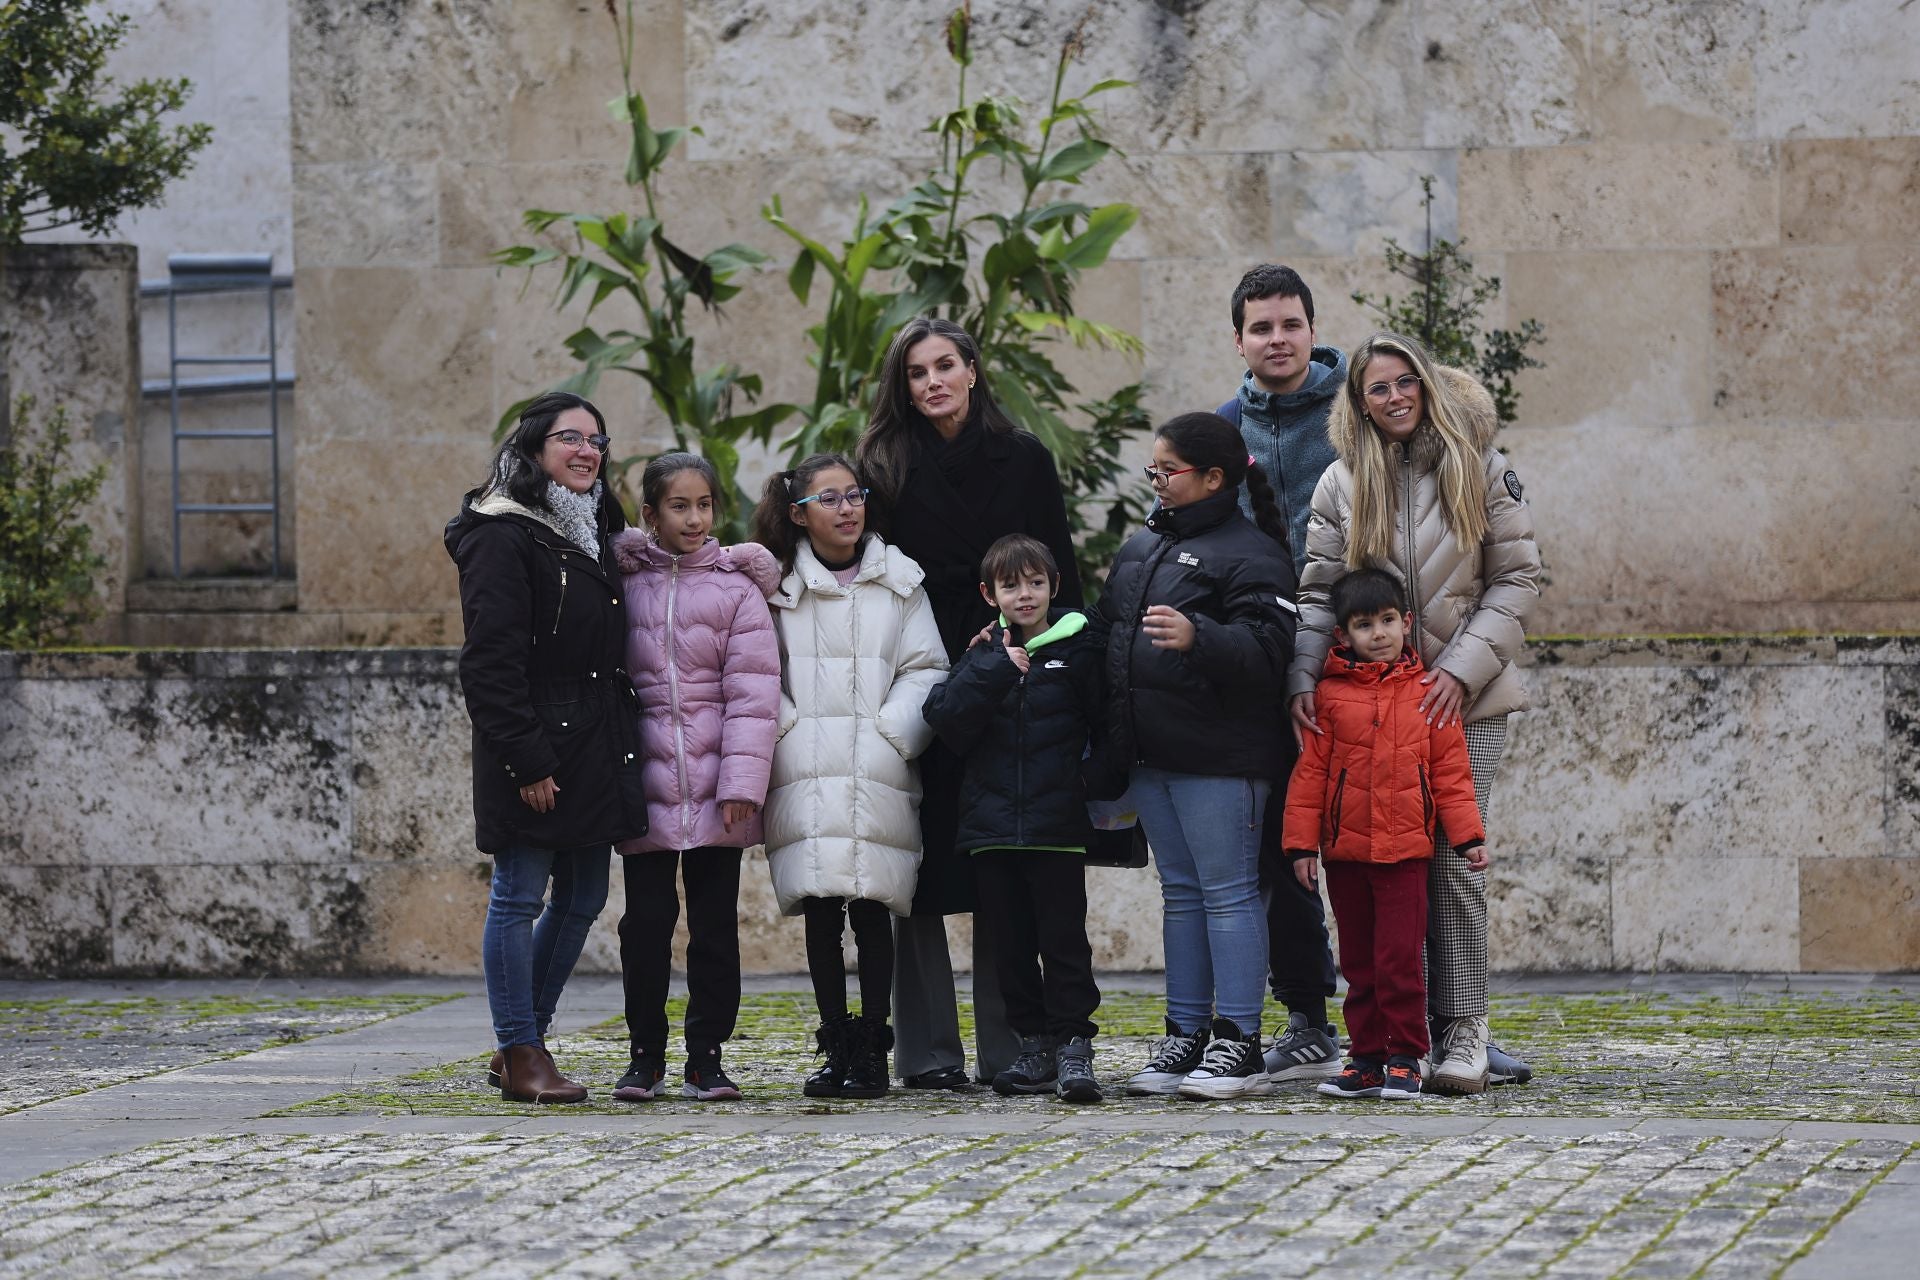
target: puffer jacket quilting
<point>1026,739</point>
<point>857,663</point>
<point>1470,605</point>
<point>1373,784</point>
<point>703,656</point>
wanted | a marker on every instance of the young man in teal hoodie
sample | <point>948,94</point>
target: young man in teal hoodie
<point>1281,409</point>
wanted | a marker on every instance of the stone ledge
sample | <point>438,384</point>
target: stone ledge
<point>213,595</point>
<point>225,664</point>
<point>1863,650</point>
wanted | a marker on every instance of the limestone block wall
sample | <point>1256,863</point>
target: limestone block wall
<point>69,337</point>
<point>1669,805</point>
<point>1710,206</point>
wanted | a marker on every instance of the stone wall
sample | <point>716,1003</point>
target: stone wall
<point>69,337</point>
<point>1695,805</point>
<point>1709,205</point>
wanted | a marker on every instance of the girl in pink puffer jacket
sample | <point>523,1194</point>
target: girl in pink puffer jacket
<point>705,661</point>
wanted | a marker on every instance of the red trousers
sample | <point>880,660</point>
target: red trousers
<point>1381,908</point>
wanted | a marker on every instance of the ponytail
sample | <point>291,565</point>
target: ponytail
<point>1206,441</point>
<point>1266,510</point>
<point>773,526</point>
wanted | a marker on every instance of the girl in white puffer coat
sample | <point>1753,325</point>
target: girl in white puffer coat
<point>859,652</point>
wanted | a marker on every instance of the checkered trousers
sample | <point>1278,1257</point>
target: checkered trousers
<point>1457,897</point>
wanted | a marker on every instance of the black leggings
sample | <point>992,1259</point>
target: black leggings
<point>872,937</point>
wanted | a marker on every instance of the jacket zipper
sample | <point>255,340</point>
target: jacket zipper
<point>562,608</point>
<point>673,703</point>
<point>1020,765</point>
<point>1339,795</point>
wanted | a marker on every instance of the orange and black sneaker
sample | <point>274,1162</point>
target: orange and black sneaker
<point>1360,1079</point>
<point>1402,1082</point>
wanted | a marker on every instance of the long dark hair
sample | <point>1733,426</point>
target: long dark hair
<point>516,466</point>
<point>773,526</point>
<point>887,447</point>
<point>1207,440</point>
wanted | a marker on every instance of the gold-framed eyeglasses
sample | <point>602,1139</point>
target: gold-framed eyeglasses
<point>1404,384</point>
<point>574,439</point>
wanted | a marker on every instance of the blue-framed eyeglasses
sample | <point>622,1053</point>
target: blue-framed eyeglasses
<point>831,499</point>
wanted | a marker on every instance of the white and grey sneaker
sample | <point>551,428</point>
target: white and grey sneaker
<point>1230,1068</point>
<point>1172,1059</point>
<point>1302,1052</point>
<point>1461,1065</point>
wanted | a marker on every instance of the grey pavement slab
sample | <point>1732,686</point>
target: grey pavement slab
<point>189,1173</point>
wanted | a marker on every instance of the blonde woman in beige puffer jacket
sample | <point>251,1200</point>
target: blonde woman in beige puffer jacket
<point>1420,491</point>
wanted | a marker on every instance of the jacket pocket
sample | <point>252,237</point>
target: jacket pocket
<point>1426,802</point>
<point>564,719</point>
<point>1339,796</point>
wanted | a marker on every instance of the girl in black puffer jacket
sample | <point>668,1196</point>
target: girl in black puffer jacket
<point>1201,609</point>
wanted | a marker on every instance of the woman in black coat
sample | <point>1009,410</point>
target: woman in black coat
<point>951,475</point>
<point>556,779</point>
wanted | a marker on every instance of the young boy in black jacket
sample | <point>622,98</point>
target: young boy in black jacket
<point>1024,710</point>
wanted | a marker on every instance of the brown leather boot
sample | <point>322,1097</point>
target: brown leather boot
<point>494,1065</point>
<point>528,1075</point>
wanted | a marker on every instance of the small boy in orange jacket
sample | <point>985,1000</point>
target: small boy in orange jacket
<point>1365,795</point>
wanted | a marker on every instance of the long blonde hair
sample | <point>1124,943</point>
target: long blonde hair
<point>1461,471</point>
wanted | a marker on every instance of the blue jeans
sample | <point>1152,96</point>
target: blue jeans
<point>531,943</point>
<point>1205,834</point>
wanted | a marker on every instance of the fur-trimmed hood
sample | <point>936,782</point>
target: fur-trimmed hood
<point>636,552</point>
<point>1474,402</point>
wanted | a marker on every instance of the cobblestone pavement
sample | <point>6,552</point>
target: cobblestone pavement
<point>1727,1129</point>
<point>54,1048</point>
<point>1084,1203</point>
<point>1771,1055</point>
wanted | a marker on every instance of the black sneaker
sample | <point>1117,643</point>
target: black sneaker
<point>1031,1072</point>
<point>1172,1059</point>
<point>704,1081</point>
<point>1303,1052</point>
<point>1230,1068</point>
<point>1073,1071</point>
<point>952,1079</point>
<point>1402,1080</point>
<point>1361,1079</point>
<point>645,1079</point>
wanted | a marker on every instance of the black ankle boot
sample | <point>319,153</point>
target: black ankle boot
<point>866,1075</point>
<point>834,1038</point>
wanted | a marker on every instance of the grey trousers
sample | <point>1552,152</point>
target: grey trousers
<point>926,1014</point>
<point>1457,897</point>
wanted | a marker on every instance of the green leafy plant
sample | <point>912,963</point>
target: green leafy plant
<point>47,561</point>
<point>630,255</point>
<point>75,148</point>
<point>1007,277</point>
<point>1445,310</point>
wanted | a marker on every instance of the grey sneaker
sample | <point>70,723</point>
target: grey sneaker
<point>1073,1066</point>
<point>1504,1068</point>
<point>1172,1059</point>
<point>1302,1052</point>
<point>1031,1072</point>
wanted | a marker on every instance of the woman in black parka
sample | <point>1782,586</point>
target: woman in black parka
<point>952,474</point>
<point>556,778</point>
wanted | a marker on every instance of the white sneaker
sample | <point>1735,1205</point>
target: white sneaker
<point>1462,1066</point>
<point>1231,1067</point>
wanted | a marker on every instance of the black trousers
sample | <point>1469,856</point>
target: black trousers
<point>873,942</point>
<point>1034,902</point>
<point>1299,955</point>
<point>712,877</point>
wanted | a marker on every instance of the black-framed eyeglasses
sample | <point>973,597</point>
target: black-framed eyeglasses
<point>1404,384</point>
<point>574,439</point>
<point>1161,479</point>
<point>832,499</point>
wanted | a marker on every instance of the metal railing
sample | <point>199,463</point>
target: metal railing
<point>201,273</point>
